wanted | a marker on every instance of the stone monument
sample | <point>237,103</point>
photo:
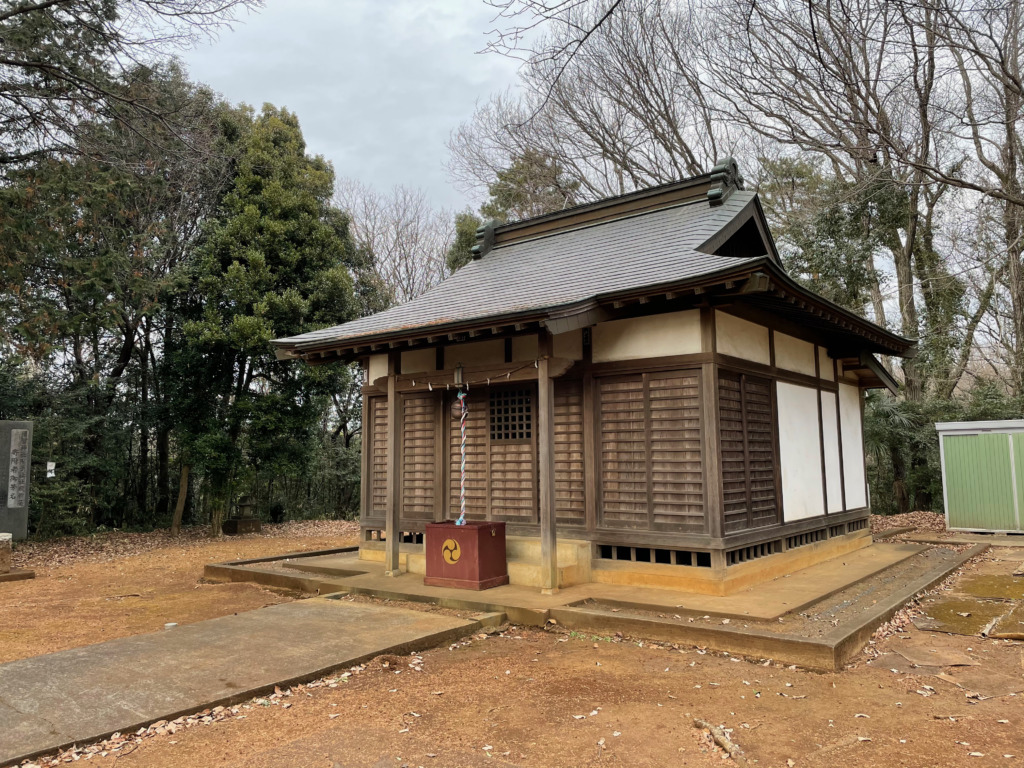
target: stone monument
<point>15,473</point>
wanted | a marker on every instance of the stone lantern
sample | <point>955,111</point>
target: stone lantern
<point>242,520</point>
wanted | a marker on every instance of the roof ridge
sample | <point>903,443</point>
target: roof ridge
<point>714,187</point>
<point>591,224</point>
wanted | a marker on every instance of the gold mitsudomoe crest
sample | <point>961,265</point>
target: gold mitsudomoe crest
<point>450,551</point>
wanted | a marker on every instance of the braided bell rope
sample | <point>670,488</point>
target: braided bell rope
<point>462,469</point>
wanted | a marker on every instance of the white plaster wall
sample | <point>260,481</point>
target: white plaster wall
<point>799,452</point>
<point>741,338</point>
<point>419,360</point>
<point>794,354</point>
<point>672,333</point>
<point>825,365</point>
<point>524,347</point>
<point>568,345</point>
<point>378,366</point>
<point>474,353</point>
<point>830,435</point>
<point>853,446</point>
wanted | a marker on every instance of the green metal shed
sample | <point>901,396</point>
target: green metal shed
<point>982,474</point>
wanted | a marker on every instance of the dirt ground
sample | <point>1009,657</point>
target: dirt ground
<point>115,585</point>
<point>536,698</point>
<point>530,697</point>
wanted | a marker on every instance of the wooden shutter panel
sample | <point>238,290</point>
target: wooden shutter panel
<point>476,458</point>
<point>570,506</point>
<point>734,472</point>
<point>419,428</point>
<point>764,507</point>
<point>513,492</point>
<point>651,454</point>
<point>623,451</point>
<point>513,448</point>
<point>676,454</point>
<point>746,420</point>
<point>378,436</point>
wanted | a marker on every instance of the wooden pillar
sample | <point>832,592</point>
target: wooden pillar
<point>590,449</point>
<point>714,509</point>
<point>364,454</point>
<point>392,525</point>
<point>546,466</point>
<point>821,427</point>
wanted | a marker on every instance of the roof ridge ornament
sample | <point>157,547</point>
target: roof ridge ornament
<point>484,239</point>
<point>726,175</point>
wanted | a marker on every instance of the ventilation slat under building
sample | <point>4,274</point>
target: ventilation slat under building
<point>654,555</point>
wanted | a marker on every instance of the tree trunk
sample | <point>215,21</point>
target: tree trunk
<point>143,483</point>
<point>163,427</point>
<point>1013,232</point>
<point>218,505</point>
<point>163,472</point>
<point>179,508</point>
<point>909,327</point>
<point>899,480</point>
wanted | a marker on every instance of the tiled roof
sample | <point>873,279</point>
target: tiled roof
<point>558,269</point>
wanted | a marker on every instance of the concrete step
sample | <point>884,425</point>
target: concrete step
<point>521,548</point>
<point>529,574</point>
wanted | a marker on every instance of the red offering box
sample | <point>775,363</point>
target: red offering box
<point>470,556</point>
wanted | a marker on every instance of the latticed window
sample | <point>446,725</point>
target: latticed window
<point>511,414</point>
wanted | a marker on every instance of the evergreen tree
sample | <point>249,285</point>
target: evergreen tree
<point>89,252</point>
<point>277,261</point>
<point>532,185</point>
<point>459,253</point>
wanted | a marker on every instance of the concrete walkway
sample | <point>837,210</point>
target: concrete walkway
<point>83,694</point>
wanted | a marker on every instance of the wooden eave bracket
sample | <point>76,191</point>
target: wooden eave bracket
<point>870,362</point>
<point>758,282</point>
<point>870,373</point>
<point>582,316</point>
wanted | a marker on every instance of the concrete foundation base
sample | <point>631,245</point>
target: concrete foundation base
<point>578,565</point>
<point>17,574</point>
<point>14,522</point>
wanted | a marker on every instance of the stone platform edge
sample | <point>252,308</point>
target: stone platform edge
<point>236,571</point>
<point>888,533</point>
<point>725,614</point>
<point>829,653</point>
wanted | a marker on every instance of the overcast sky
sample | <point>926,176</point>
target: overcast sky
<point>377,84</point>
